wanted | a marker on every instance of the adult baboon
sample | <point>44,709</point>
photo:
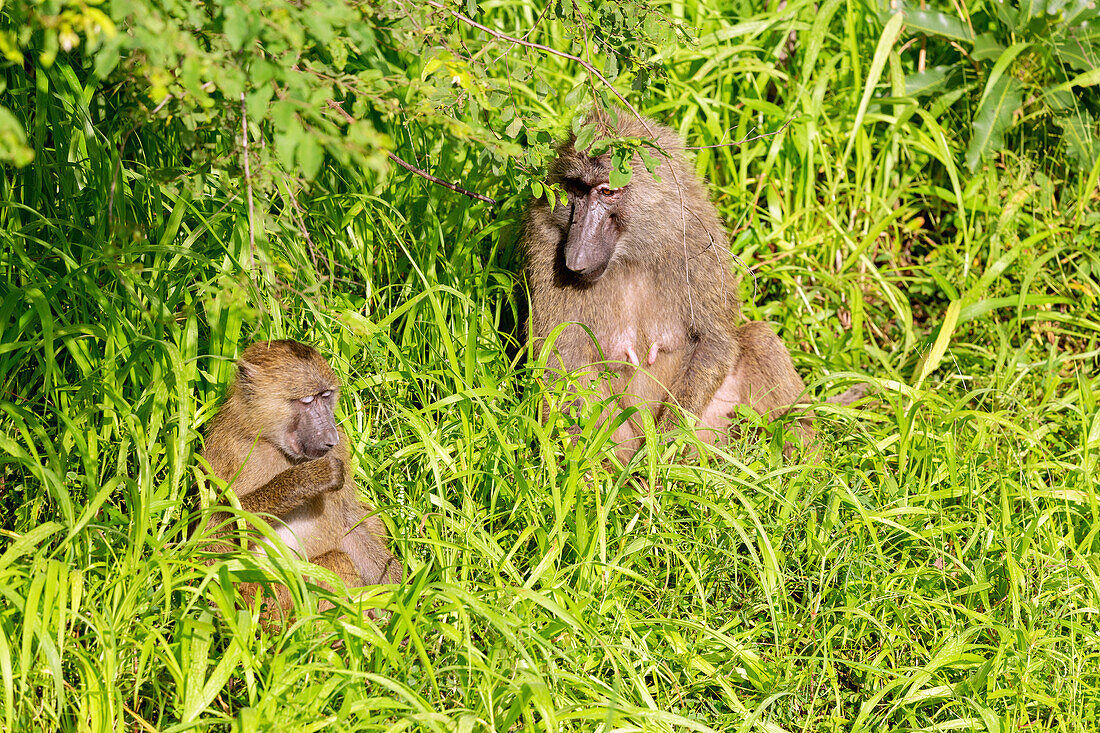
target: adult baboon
<point>276,443</point>
<point>647,268</point>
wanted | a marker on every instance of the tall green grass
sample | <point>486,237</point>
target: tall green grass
<point>934,567</point>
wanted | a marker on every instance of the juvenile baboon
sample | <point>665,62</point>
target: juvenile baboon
<point>647,268</point>
<point>276,443</point>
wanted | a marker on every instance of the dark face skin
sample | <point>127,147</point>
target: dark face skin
<point>593,227</point>
<point>312,430</point>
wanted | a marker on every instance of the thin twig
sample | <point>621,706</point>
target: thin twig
<point>441,182</point>
<point>539,47</point>
<point>333,104</point>
<point>528,33</point>
<point>743,140</point>
<point>248,186</point>
<point>300,220</point>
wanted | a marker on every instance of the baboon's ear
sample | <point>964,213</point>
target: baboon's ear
<point>246,375</point>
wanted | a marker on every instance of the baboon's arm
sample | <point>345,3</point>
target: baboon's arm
<point>296,485</point>
<point>707,365</point>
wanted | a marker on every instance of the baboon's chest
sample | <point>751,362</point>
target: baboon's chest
<point>638,329</point>
<point>303,530</point>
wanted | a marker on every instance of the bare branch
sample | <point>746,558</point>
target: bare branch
<point>248,184</point>
<point>333,104</point>
<point>441,182</point>
<point>528,33</point>
<point>538,47</point>
<point>743,140</point>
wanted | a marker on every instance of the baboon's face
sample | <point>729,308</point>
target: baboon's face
<point>311,432</point>
<point>601,228</point>
<point>593,225</point>
<point>292,387</point>
<point>594,218</point>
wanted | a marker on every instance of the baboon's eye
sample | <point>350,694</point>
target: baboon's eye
<point>606,191</point>
<point>327,393</point>
<point>306,400</point>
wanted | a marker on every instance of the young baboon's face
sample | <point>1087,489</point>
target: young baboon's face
<point>295,391</point>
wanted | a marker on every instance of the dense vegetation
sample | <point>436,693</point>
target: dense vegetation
<point>913,196</point>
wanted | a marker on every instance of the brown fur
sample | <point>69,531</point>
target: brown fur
<point>664,312</point>
<point>251,445</point>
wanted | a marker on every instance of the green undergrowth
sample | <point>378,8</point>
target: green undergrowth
<point>930,563</point>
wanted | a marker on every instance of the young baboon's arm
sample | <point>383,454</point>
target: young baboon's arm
<point>296,485</point>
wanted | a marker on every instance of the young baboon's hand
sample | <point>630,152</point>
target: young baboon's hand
<point>336,465</point>
<point>319,476</point>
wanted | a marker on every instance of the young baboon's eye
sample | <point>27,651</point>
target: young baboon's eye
<point>327,393</point>
<point>306,400</point>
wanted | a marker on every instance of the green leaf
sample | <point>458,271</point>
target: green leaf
<point>818,33</point>
<point>1079,7</point>
<point>1086,79</point>
<point>1001,66</point>
<point>585,136</point>
<point>310,155</point>
<point>338,51</point>
<point>927,81</point>
<point>27,542</point>
<point>1082,138</point>
<point>236,26</point>
<point>621,170</point>
<point>286,143</point>
<point>994,116</point>
<point>611,66</point>
<point>256,102</point>
<point>1059,100</point>
<point>600,146</point>
<point>13,141</point>
<point>986,47</point>
<point>939,346</point>
<point>108,55</point>
<point>1006,13</point>
<point>651,161</point>
<point>878,61</point>
<point>932,22</point>
<point>283,114</point>
<point>1031,8</point>
<point>573,98</point>
<point>1080,50</point>
<point>231,82</point>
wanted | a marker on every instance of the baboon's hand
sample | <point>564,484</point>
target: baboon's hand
<point>319,476</point>
<point>336,466</point>
<point>296,485</point>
